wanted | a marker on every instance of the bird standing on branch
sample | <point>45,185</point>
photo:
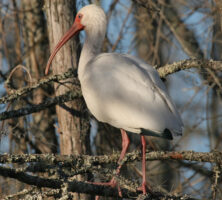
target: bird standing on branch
<point>120,89</point>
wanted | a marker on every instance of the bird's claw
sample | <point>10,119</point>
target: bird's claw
<point>112,183</point>
<point>144,187</point>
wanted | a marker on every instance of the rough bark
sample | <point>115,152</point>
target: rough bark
<point>73,129</point>
<point>86,161</point>
<point>35,45</point>
<point>83,187</point>
<point>85,164</point>
<point>60,16</point>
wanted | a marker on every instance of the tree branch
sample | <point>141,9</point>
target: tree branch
<point>81,187</point>
<point>163,71</point>
<point>85,163</point>
<point>188,64</point>
<point>89,161</point>
<point>35,193</point>
<point>69,96</point>
<point>15,95</point>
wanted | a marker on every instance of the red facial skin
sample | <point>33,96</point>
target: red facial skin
<point>76,28</point>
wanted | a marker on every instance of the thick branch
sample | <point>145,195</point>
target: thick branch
<point>83,162</point>
<point>80,187</point>
<point>69,96</point>
<point>163,71</point>
<point>89,161</point>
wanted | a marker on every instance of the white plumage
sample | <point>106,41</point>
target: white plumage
<point>120,89</point>
<point>127,93</point>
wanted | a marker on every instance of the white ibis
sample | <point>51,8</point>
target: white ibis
<point>120,89</point>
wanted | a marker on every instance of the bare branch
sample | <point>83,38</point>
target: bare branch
<point>81,187</point>
<point>163,71</point>
<point>187,64</point>
<point>89,161</point>
<point>69,96</point>
<point>19,93</point>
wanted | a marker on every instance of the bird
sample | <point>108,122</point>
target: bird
<point>120,89</point>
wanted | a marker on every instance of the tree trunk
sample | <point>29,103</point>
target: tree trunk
<point>34,33</point>
<point>73,127</point>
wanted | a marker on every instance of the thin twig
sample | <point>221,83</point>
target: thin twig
<point>24,91</point>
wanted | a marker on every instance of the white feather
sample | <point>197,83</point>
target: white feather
<point>120,89</point>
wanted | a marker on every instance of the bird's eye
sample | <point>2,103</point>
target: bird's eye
<point>79,16</point>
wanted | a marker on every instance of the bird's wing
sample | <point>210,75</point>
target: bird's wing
<point>121,92</point>
<point>160,87</point>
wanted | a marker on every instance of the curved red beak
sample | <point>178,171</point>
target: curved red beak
<point>76,27</point>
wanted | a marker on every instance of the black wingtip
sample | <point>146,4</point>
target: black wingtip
<point>166,134</point>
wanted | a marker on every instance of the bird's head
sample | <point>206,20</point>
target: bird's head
<point>90,18</point>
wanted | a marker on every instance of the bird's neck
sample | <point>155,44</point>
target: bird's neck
<point>91,48</point>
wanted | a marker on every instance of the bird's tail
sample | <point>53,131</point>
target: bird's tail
<point>166,134</point>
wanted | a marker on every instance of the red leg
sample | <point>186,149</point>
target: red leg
<point>143,141</point>
<point>125,145</point>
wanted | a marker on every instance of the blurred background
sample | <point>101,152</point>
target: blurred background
<point>158,31</point>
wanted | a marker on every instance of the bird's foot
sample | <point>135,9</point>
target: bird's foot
<point>144,187</point>
<point>112,183</point>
